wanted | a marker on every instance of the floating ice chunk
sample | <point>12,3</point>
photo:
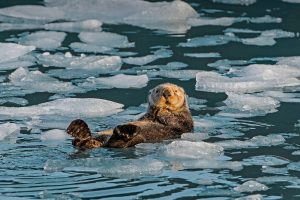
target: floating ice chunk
<point>237,2</point>
<point>194,150</point>
<point>194,137</point>
<point>253,78</point>
<point>210,164</point>
<point>291,1</point>
<point>32,13</point>
<point>83,47</point>
<point>249,105</point>
<point>14,100</point>
<point>222,21</point>
<point>240,30</point>
<point>257,141</point>
<point>291,61</point>
<point>36,81</point>
<point>283,97</point>
<point>86,25</point>
<point>105,39</point>
<point>196,104</point>
<point>7,129</point>
<point>125,168</point>
<point>295,166</point>
<point>101,64</point>
<point>117,81</point>
<point>70,107</point>
<point>265,19</point>
<point>276,179</point>
<point>251,186</point>
<point>15,64</point>
<point>227,65</point>
<point>54,134</point>
<point>267,38</point>
<point>296,153</point>
<point>275,170</point>
<point>265,160</point>
<point>10,51</point>
<point>209,40</point>
<point>251,197</point>
<point>43,39</point>
<point>18,26</point>
<point>161,53</point>
<point>177,74</point>
<point>202,55</point>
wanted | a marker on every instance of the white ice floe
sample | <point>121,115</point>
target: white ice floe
<point>294,166</point>
<point>160,53</point>
<point>202,55</point>
<point>247,105</point>
<point>257,141</point>
<point>11,51</point>
<point>117,81</point>
<point>283,96</point>
<point>33,13</point>
<point>54,134</point>
<point>105,39</point>
<point>209,164</point>
<point>14,100</point>
<point>275,170</point>
<point>68,107</point>
<point>196,104</point>
<point>48,40</point>
<point>126,168</point>
<point>194,150</point>
<point>102,64</point>
<point>176,74</point>
<point>291,1</point>
<point>265,19</point>
<point>267,38</point>
<point>36,81</point>
<point>251,186</point>
<point>93,48</point>
<point>236,2</point>
<point>194,137</point>
<point>293,61</point>
<point>8,128</point>
<point>86,25</point>
<point>14,64</point>
<point>265,160</point>
<point>251,197</point>
<point>19,26</point>
<point>209,40</point>
<point>253,78</point>
<point>222,21</point>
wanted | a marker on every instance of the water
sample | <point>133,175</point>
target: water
<point>237,61</point>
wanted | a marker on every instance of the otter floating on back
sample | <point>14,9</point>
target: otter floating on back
<point>167,117</point>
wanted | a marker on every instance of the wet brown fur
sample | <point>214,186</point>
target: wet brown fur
<point>167,117</point>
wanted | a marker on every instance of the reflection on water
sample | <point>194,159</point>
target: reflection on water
<point>237,60</point>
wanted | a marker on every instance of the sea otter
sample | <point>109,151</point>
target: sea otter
<point>167,117</point>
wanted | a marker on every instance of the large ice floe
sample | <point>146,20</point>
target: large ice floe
<point>22,81</point>
<point>47,40</point>
<point>8,128</point>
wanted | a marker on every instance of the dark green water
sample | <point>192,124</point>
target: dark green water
<point>257,131</point>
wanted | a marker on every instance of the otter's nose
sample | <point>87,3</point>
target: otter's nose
<point>167,93</point>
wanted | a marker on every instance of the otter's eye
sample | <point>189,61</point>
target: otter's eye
<point>156,91</point>
<point>176,91</point>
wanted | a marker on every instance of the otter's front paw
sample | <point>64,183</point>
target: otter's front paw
<point>79,129</point>
<point>126,132</point>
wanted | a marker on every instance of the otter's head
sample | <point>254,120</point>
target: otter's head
<point>168,96</point>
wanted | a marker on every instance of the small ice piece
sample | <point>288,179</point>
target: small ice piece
<point>176,74</point>
<point>290,61</point>
<point>245,105</point>
<point>86,25</point>
<point>18,26</point>
<point>15,64</point>
<point>160,53</point>
<point>54,134</point>
<point>251,186</point>
<point>101,64</point>
<point>296,153</point>
<point>70,107</point>
<point>36,81</point>
<point>236,2</point>
<point>295,166</point>
<point>117,81</point>
<point>257,141</point>
<point>105,39</point>
<point>291,1</point>
<point>222,21</point>
<point>32,13</point>
<point>194,137</point>
<point>108,167</point>
<point>209,40</point>
<point>11,51</point>
<point>8,128</point>
<point>265,19</point>
<point>194,150</point>
<point>210,164</point>
<point>267,38</point>
<point>14,100</point>
<point>240,30</point>
<point>83,47</point>
<point>202,55</point>
<point>47,40</point>
<point>251,197</point>
<point>265,160</point>
<point>275,170</point>
<point>252,78</point>
<point>196,104</point>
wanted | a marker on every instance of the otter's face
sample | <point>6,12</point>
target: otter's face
<point>167,96</point>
